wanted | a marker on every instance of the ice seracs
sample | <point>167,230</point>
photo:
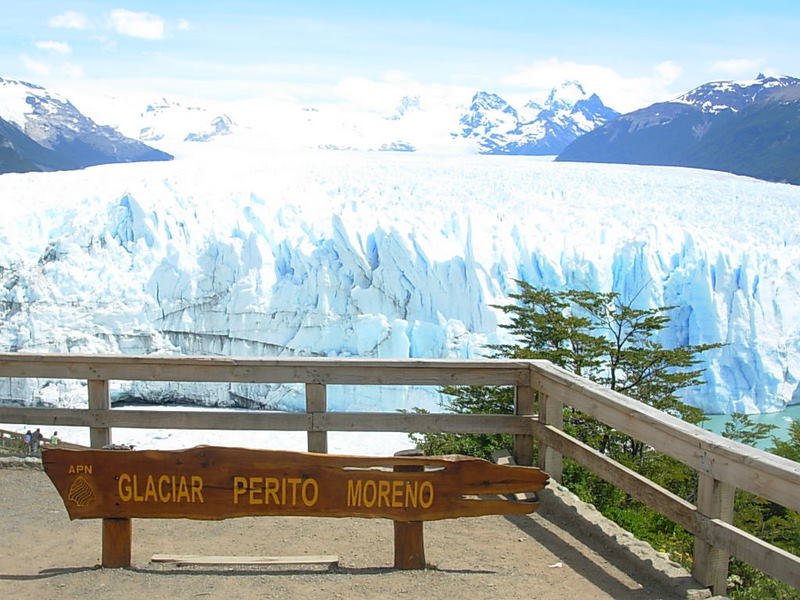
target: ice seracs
<point>390,255</point>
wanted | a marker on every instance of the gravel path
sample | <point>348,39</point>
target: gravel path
<point>43,554</point>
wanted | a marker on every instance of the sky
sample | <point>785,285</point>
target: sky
<point>632,53</point>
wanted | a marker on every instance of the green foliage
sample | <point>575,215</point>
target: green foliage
<point>741,428</point>
<point>598,336</point>
<point>604,339</point>
<point>466,400</point>
<point>789,448</point>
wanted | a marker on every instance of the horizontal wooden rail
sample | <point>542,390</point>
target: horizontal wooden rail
<point>274,421</point>
<point>748,468</point>
<point>673,507</point>
<point>277,370</point>
<point>760,554</point>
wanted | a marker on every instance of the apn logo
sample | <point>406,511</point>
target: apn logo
<point>81,492</point>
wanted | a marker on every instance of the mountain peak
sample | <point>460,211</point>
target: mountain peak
<point>487,100</point>
<point>63,137</point>
<point>565,95</point>
<point>535,129</point>
<point>727,95</point>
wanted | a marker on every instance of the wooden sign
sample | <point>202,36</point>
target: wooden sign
<point>210,482</point>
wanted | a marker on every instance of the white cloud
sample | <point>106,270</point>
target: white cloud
<point>617,91</point>
<point>72,71</point>
<point>70,20</point>
<point>668,71</point>
<point>59,47</point>
<point>137,24</point>
<point>738,67</point>
<point>35,66</point>
<point>183,25</point>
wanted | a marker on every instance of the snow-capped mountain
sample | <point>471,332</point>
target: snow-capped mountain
<point>169,122</point>
<point>408,104</point>
<point>379,254</point>
<point>719,96</point>
<point>499,128</point>
<point>52,123</point>
<point>744,127</point>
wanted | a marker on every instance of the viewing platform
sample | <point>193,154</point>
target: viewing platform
<point>564,549</point>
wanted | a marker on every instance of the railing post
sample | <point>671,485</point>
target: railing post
<point>317,402</point>
<point>99,399</point>
<point>714,500</point>
<point>551,412</point>
<point>116,532</point>
<point>523,443</point>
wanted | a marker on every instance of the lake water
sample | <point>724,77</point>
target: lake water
<point>781,420</point>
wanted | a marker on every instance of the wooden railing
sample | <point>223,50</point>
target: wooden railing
<point>722,465</point>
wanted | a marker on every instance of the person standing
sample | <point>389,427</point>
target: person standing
<point>36,440</point>
<point>26,441</point>
<point>54,439</point>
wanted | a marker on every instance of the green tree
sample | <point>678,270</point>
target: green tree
<point>603,338</point>
<point>742,428</point>
<point>789,448</point>
<point>598,336</point>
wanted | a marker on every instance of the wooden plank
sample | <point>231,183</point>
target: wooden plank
<point>744,546</point>
<point>744,467</point>
<point>273,370</point>
<point>503,457</point>
<point>263,421</point>
<point>659,499</point>
<point>770,559</point>
<point>423,423</point>
<point>316,402</point>
<point>149,419</point>
<point>214,483</point>
<point>183,560</point>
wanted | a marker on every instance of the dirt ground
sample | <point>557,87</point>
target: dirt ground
<point>558,552</point>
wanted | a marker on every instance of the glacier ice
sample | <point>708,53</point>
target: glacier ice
<point>371,254</point>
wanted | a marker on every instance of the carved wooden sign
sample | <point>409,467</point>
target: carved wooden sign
<point>209,482</point>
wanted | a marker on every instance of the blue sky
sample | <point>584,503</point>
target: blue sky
<point>631,53</point>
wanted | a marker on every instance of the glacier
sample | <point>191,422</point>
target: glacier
<point>389,255</point>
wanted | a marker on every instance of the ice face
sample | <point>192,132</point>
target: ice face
<point>386,255</point>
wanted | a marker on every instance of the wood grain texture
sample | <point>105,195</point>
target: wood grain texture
<point>267,370</point>
<point>116,543</point>
<point>745,467</point>
<point>214,483</point>
<point>99,399</point>
<point>273,421</point>
<point>329,561</point>
<point>409,536</point>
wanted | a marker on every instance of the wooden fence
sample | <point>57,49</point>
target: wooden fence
<point>723,465</point>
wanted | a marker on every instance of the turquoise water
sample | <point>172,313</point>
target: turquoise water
<point>782,419</point>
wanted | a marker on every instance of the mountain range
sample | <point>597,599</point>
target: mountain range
<point>534,129</point>
<point>42,131</point>
<point>747,128</point>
